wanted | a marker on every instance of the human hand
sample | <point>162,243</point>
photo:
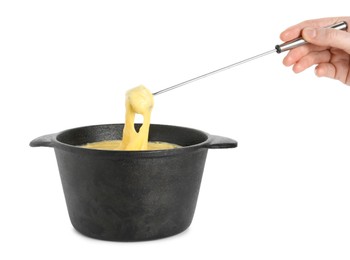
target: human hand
<point>329,49</point>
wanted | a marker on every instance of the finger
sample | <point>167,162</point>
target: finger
<point>332,71</point>
<point>291,33</point>
<point>342,70</point>
<point>311,59</point>
<point>295,30</point>
<point>296,54</point>
<point>327,37</point>
<point>325,70</point>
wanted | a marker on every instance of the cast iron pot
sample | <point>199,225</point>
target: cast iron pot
<point>131,195</point>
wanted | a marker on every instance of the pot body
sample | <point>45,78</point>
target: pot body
<point>131,199</point>
<point>131,195</point>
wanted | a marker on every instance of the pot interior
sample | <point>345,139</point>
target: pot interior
<point>165,133</point>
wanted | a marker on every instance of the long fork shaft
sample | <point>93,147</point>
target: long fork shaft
<point>213,72</point>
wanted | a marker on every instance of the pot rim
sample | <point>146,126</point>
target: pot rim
<point>211,141</point>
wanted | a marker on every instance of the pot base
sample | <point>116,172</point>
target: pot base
<point>131,239</point>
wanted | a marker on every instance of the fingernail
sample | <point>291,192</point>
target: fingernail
<point>316,72</point>
<point>310,32</point>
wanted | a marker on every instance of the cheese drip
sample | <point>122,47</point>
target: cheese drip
<point>139,100</point>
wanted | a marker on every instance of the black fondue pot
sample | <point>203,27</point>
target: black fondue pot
<point>131,195</point>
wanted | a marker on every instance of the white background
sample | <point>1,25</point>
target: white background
<point>282,194</point>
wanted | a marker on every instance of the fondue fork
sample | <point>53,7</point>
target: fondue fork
<point>286,46</point>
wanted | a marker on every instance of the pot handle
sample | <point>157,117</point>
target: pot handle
<point>217,142</point>
<point>45,140</point>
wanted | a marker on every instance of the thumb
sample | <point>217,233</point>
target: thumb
<point>328,37</point>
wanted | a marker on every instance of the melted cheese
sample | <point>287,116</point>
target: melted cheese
<point>139,100</point>
<point>117,145</point>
